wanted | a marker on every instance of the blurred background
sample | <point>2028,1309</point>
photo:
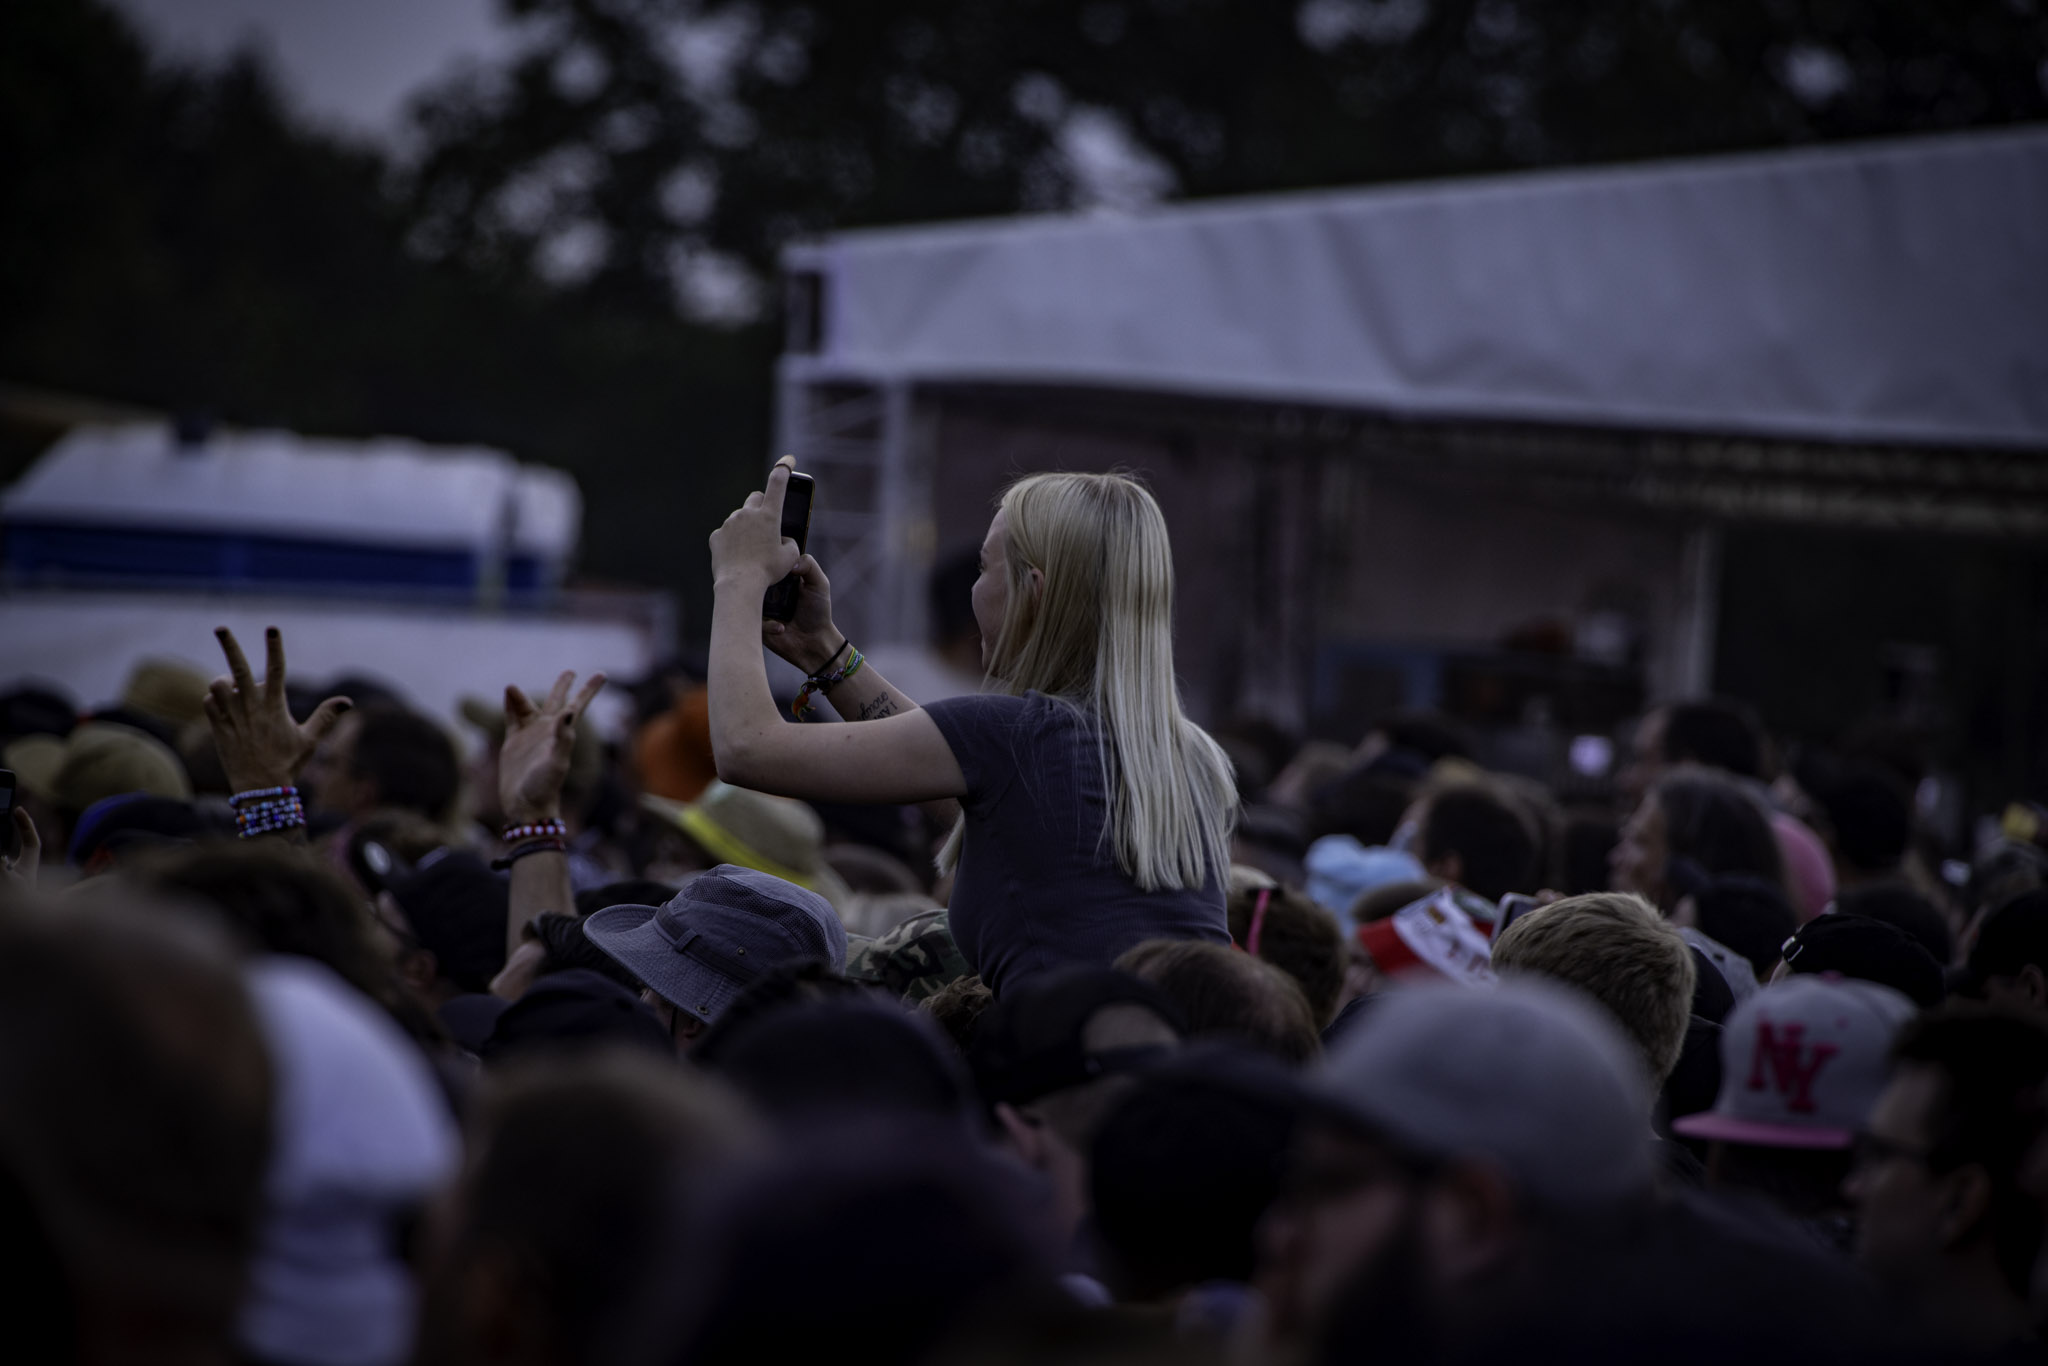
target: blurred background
<point>1527,361</point>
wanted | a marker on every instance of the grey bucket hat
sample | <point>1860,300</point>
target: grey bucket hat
<point>725,929</point>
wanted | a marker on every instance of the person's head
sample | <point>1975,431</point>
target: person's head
<point>448,916</point>
<point>1185,1165</point>
<point>1867,817</point>
<point>1614,947</point>
<point>725,930</point>
<point>1704,818</point>
<point>1286,929</point>
<point>1585,843</point>
<point>573,1011</point>
<point>1410,741</point>
<point>102,759</point>
<point>1075,600</point>
<point>1364,803</point>
<point>957,1008</point>
<point>1715,732</point>
<point>851,1055</point>
<point>1477,837</point>
<point>2008,962</point>
<point>950,600</point>
<point>1802,1062</point>
<point>566,1197</point>
<point>1937,1181</point>
<point>1899,905</point>
<point>280,899</point>
<point>387,756</point>
<point>116,832</point>
<point>1224,993</point>
<point>135,1122</point>
<point>1051,1056</point>
<point>363,1139</point>
<point>1457,1131</point>
<point>1865,950</point>
<point>876,1241</point>
<point>776,835</point>
<point>1746,913</point>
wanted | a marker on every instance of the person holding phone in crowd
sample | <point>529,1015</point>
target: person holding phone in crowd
<point>1094,813</point>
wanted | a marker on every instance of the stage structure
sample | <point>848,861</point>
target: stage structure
<point>1396,426</point>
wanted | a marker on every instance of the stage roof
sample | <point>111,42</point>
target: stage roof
<point>1891,292</point>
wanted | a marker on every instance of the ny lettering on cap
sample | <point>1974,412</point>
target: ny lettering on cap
<point>1802,1063</point>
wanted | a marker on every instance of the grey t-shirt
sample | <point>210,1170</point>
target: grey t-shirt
<point>1039,886</point>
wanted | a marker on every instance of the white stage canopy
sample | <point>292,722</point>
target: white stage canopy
<point>1888,292</point>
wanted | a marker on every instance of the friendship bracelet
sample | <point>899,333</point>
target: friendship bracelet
<point>520,851</point>
<point>845,644</point>
<point>554,829</point>
<point>263,794</point>
<point>825,682</point>
<point>267,817</point>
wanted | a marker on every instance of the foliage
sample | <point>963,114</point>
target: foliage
<point>631,137</point>
<point>178,240</point>
<point>525,274</point>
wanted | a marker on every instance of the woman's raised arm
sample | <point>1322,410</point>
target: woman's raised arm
<point>893,758</point>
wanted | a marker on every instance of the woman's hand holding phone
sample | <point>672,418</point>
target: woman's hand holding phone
<point>750,552</point>
<point>809,640</point>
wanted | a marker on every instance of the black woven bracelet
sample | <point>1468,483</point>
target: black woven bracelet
<point>520,851</point>
<point>845,644</point>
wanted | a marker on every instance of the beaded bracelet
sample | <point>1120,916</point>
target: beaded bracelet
<point>554,829</point>
<point>520,851</point>
<point>825,682</point>
<point>265,811</point>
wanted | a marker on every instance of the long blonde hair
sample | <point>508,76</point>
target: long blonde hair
<point>1095,631</point>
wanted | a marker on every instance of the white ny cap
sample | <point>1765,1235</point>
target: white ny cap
<point>1802,1063</point>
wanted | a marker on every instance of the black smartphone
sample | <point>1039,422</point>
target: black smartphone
<point>780,604</point>
<point>10,842</point>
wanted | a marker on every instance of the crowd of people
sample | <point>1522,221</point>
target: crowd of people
<point>1030,1024</point>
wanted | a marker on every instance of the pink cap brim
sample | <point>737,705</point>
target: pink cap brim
<point>1728,1129</point>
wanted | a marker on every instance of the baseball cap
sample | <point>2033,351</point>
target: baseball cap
<point>723,930</point>
<point>2011,936</point>
<point>457,908</point>
<point>1433,937</point>
<point>1032,1041</point>
<point>1526,1074</point>
<point>1868,950</point>
<point>1802,1062</point>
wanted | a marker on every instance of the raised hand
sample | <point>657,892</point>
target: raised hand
<point>259,743</point>
<point>534,759</point>
<point>809,640</point>
<point>750,548</point>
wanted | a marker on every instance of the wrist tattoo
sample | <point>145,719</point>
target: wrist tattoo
<point>877,707</point>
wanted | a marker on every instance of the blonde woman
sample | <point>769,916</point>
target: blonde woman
<point>1094,814</point>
